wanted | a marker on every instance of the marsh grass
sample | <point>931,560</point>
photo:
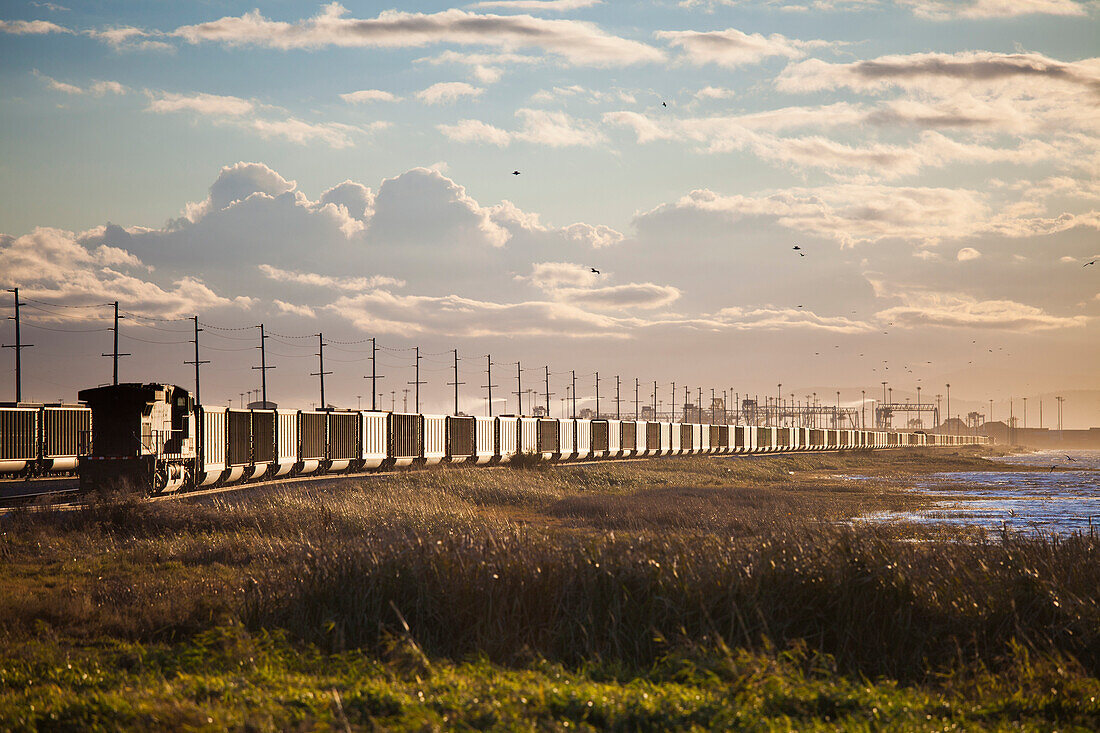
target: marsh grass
<point>722,587</point>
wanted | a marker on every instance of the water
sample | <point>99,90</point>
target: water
<point>1059,502</point>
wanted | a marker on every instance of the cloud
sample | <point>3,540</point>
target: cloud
<point>96,89</point>
<point>488,68</point>
<point>771,318</point>
<point>204,104</point>
<point>951,310</point>
<point>846,213</point>
<point>577,284</point>
<point>476,131</point>
<point>575,42</point>
<point>369,95</point>
<point>129,38</point>
<point>329,281</point>
<point>246,114</point>
<point>953,9</point>
<point>304,311</point>
<point>732,48</point>
<point>540,127</point>
<point>448,92</point>
<point>932,71</point>
<point>73,269</point>
<point>557,6</point>
<point>715,93</point>
<point>31,27</point>
<point>967,253</point>
<point>455,316</point>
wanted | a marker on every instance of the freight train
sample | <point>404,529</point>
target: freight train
<point>154,436</point>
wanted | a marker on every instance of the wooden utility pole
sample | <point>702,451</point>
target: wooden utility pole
<point>197,361</point>
<point>114,354</point>
<point>321,367</point>
<point>19,346</point>
<point>456,382</point>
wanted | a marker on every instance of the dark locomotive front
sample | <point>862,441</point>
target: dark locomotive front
<point>144,437</point>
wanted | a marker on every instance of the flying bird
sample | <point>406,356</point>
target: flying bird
<point>1052,469</point>
<point>796,247</point>
<point>1090,263</point>
<point>664,104</point>
<point>1071,459</point>
<point>515,173</point>
<point>799,306</point>
<point>593,269</point>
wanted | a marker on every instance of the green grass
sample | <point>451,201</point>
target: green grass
<point>674,593</point>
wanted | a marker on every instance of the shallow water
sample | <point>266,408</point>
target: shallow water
<point>1063,501</point>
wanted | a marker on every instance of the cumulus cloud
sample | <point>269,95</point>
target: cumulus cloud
<point>73,269</point>
<point>967,253</point>
<point>303,311</point>
<point>476,131</point>
<point>31,27</point>
<point>927,308</point>
<point>369,95</point>
<point>732,48</point>
<point>447,92</point>
<point>715,93</point>
<point>575,42</point>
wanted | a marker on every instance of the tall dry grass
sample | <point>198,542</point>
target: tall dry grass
<point>622,564</point>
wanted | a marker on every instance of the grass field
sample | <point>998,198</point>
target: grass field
<point>706,593</point>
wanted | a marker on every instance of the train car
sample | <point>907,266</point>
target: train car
<point>374,446</point>
<point>567,439</point>
<point>528,435</point>
<point>549,439</point>
<point>434,447</point>
<point>406,438</point>
<point>286,441</point>
<point>701,439</point>
<point>628,438</point>
<point>486,439</point>
<point>601,438</point>
<point>145,436</point>
<point>584,439</point>
<point>507,438</point>
<point>614,439</point>
<point>39,439</point>
<point>461,442</point>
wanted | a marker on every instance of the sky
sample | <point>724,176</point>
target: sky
<point>721,194</point>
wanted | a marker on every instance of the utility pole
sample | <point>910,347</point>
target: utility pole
<point>519,388</point>
<point>546,376</point>
<point>405,404</point>
<point>863,410</point>
<point>597,395</point>
<point>672,414</point>
<point>114,355</point>
<point>263,367</point>
<point>374,376</point>
<point>573,373</point>
<point>637,414</point>
<point>949,402</point>
<point>1025,413</point>
<point>197,361</point>
<point>19,346</point>
<point>416,383</point>
<point>618,415</point>
<point>712,413</point>
<point>655,418</point>
<point>456,382</point>
<point>489,383</point>
<point>321,367</point>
